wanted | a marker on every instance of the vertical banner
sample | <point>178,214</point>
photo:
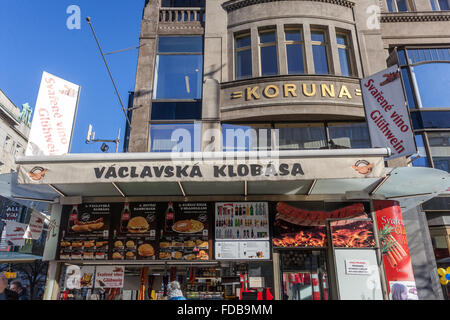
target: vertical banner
<point>53,118</point>
<point>395,251</point>
<point>387,115</point>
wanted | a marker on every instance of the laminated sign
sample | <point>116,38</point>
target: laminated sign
<point>387,115</point>
<point>34,229</point>
<point>53,117</point>
<point>15,233</point>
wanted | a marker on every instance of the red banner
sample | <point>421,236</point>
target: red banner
<point>395,251</point>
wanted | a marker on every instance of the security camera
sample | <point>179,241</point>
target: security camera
<point>88,19</point>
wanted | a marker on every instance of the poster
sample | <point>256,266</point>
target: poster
<point>393,242</point>
<point>351,233</point>
<point>387,114</point>
<point>303,224</point>
<point>242,250</point>
<point>242,220</point>
<point>185,231</point>
<point>134,235</point>
<point>14,233</point>
<point>109,277</point>
<point>53,119</point>
<point>85,232</point>
<point>403,290</point>
<point>35,227</point>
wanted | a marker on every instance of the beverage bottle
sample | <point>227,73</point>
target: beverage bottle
<point>236,211</point>
<point>125,217</point>
<point>247,209</point>
<point>170,217</point>
<point>251,209</point>
<point>73,216</point>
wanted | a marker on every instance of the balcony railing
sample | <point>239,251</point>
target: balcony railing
<point>181,15</point>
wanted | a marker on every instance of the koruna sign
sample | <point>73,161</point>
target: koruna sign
<point>248,170</point>
<point>387,115</point>
<point>53,118</point>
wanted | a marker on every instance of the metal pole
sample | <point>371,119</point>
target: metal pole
<point>88,19</point>
<point>118,141</point>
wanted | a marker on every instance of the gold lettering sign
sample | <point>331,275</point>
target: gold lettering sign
<point>292,90</point>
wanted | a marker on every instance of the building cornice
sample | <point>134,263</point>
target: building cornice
<point>429,16</point>
<point>232,5</point>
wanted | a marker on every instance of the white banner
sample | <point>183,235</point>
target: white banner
<point>35,227</point>
<point>53,117</point>
<point>15,232</point>
<point>387,114</point>
<point>258,170</point>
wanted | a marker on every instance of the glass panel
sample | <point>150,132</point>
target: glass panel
<point>267,37</point>
<point>175,137</point>
<point>243,42</point>
<point>349,135</point>
<point>293,35</point>
<point>440,149</point>
<point>444,5</point>
<point>246,137</point>
<point>402,5</point>
<point>408,89</point>
<point>423,160</point>
<point>269,62</point>
<point>295,62</point>
<point>430,119</point>
<point>433,80</point>
<point>342,40</point>
<point>433,5</point>
<point>180,44</point>
<point>243,64</point>
<point>390,4</point>
<point>176,110</point>
<point>318,36</point>
<point>345,62</point>
<point>302,137</point>
<point>320,59</point>
<point>401,57</point>
<point>178,77</point>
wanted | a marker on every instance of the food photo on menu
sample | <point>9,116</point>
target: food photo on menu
<point>184,233</point>
<point>134,235</point>
<point>85,232</point>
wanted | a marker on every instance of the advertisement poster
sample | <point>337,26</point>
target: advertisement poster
<point>403,290</point>
<point>134,236</point>
<point>14,233</point>
<point>303,224</point>
<point>53,118</point>
<point>352,234</point>
<point>394,245</point>
<point>185,231</point>
<point>242,250</point>
<point>242,220</point>
<point>387,114</point>
<point>109,277</point>
<point>35,227</point>
<point>85,232</point>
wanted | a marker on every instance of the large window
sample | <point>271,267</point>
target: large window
<point>422,159</point>
<point>246,137</point>
<point>243,56</point>
<point>348,135</point>
<point>175,137</point>
<point>294,50</point>
<point>302,136</point>
<point>319,46</point>
<point>344,54</point>
<point>440,5</point>
<point>178,78</point>
<point>399,5</point>
<point>268,53</point>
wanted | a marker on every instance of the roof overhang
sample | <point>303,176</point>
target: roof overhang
<point>298,175</point>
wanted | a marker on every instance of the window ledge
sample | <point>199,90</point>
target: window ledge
<point>419,16</point>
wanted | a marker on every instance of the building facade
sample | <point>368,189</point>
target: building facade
<point>219,82</point>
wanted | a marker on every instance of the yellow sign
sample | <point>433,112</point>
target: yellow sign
<point>11,275</point>
<point>271,91</point>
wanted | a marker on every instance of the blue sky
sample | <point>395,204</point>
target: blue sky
<point>35,38</point>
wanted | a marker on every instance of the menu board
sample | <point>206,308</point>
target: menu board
<point>134,235</point>
<point>242,250</point>
<point>85,232</point>
<point>242,221</point>
<point>184,232</point>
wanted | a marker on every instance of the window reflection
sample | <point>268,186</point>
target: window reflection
<point>433,81</point>
<point>243,57</point>
<point>268,53</point>
<point>319,52</point>
<point>349,135</point>
<point>301,136</point>
<point>175,137</point>
<point>344,54</point>
<point>294,51</point>
<point>422,161</point>
<point>440,149</point>
<point>246,137</point>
